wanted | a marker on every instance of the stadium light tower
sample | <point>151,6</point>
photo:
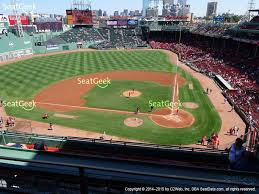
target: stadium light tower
<point>251,6</point>
<point>247,17</point>
<point>14,4</point>
<point>81,4</point>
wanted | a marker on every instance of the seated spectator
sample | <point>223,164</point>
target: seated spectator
<point>1,122</point>
<point>10,122</point>
<point>203,140</point>
<point>40,146</point>
<point>237,155</point>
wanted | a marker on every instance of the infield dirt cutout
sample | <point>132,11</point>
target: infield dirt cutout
<point>166,118</point>
<point>133,122</point>
<point>190,105</point>
<point>65,116</point>
<point>131,94</point>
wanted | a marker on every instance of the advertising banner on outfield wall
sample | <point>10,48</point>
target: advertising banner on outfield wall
<point>112,23</point>
<point>122,22</point>
<point>24,20</point>
<point>132,22</point>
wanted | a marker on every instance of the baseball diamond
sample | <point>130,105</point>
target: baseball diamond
<point>54,87</point>
<point>162,99</point>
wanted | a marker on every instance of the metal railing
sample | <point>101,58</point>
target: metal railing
<point>83,172</point>
<point>113,142</point>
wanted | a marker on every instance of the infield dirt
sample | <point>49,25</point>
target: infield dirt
<point>70,93</point>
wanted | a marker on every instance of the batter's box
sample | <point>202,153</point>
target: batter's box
<point>172,117</point>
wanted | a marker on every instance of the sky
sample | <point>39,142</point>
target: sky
<point>198,7</point>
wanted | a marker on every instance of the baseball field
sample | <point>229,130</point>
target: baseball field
<point>131,99</point>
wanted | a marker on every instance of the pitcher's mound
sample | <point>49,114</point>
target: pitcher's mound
<point>164,118</point>
<point>131,94</point>
<point>133,122</point>
<point>190,105</point>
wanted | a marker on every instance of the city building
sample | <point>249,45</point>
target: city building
<point>175,9</point>
<point>167,7</point>
<point>105,13</point>
<point>184,10</point>
<point>137,13</point>
<point>116,13</point>
<point>146,4</point>
<point>181,8</point>
<point>125,12</point>
<point>211,9</point>
<point>131,13</point>
<point>182,2</point>
<point>100,13</point>
<point>152,12</point>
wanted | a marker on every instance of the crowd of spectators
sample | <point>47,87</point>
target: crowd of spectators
<point>120,38</point>
<point>10,122</point>
<point>229,30</point>
<point>212,142</point>
<point>81,34</point>
<point>239,70</point>
<point>104,37</point>
<point>211,29</point>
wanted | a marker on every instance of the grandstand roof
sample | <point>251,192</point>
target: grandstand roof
<point>254,10</point>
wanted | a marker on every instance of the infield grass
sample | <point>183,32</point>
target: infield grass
<point>114,99</point>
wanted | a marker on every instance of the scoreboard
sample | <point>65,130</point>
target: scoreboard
<point>79,17</point>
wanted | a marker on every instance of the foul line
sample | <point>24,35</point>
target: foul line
<point>98,109</point>
<point>175,88</point>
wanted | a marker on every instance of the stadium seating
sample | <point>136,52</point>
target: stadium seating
<point>211,29</point>
<point>243,75</point>
<point>109,38</point>
<point>121,38</point>
<point>81,35</point>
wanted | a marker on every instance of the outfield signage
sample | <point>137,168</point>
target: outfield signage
<point>13,18</point>
<point>133,22</point>
<point>219,19</point>
<point>52,47</point>
<point>112,23</point>
<point>122,23</point>
<point>4,24</point>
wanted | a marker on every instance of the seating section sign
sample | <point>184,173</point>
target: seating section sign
<point>4,24</point>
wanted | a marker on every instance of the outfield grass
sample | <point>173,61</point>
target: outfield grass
<point>23,80</point>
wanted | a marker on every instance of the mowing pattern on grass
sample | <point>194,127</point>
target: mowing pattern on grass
<point>22,80</point>
<point>111,97</point>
